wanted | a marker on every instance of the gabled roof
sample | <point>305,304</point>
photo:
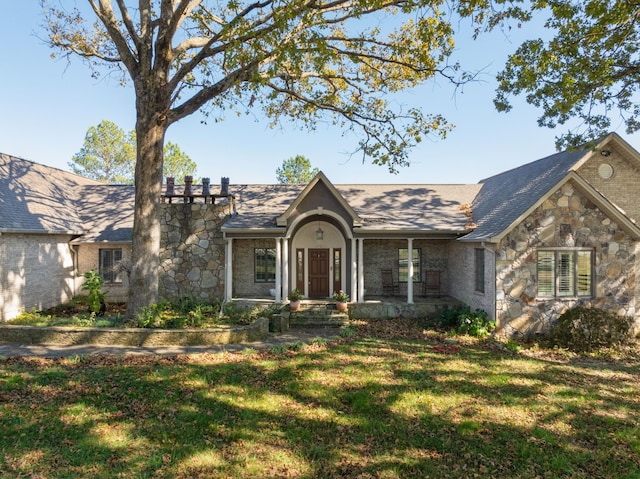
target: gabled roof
<point>36,198</point>
<point>381,208</point>
<point>319,178</point>
<point>505,199</point>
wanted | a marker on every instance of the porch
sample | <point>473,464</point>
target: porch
<point>373,307</point>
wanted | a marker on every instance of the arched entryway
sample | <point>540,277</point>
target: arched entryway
<point>318,252</point>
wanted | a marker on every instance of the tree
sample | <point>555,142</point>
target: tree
<point>106,155</point>
<point>304,60</point>
<point>588,70</point>
<point>295,171</point>
<point>177,164</point>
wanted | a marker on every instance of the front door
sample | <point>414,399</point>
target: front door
<point>318,273</point>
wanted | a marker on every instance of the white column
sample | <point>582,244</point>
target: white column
<point>410,271</point>
<point>361,270</point>
<point>228,271</point>
<point>278,271</point>
<point>285,268</point>
<point>354,271</point>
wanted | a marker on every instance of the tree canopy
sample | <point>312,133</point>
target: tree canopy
<point>109,155</point>
<point>589,71</point>
<point>296,170</point>
<point>307,61</point>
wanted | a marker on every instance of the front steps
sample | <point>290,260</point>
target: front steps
<point>316,314</point>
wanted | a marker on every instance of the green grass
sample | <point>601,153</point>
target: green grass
<point>364,407</point>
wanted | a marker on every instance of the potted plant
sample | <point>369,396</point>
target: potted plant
<point>341,298</point>
<point>294,299</point>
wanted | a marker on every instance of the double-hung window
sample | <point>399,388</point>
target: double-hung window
<point>403,264</point>
<point>565,272</point>
<point>265,265</point>
<point>109,259</point>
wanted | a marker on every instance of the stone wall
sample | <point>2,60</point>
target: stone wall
<point>36,272</point>
<point>566,219</point>
<point>192,250</point>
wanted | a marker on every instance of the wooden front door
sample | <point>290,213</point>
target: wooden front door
<point>318,273</point>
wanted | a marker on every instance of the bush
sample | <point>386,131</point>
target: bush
<point>464,321</point>
<point>93,284</point>
<point>584,329</point>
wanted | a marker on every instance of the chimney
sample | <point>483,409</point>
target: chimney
<point>205,186</point>
<point>188,181</point>
<point>170,184</point>
<point>224,186</point>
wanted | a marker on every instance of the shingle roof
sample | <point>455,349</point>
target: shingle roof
<point>506,196</point>
<point>37,198</point>
<point>383,207</point>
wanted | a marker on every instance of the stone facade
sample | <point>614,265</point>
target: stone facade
<point>192,250</point>
<point>566,219</point>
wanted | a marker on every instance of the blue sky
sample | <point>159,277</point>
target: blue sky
<point>46,107</point>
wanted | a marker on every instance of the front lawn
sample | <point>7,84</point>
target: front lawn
<point>393,401</point>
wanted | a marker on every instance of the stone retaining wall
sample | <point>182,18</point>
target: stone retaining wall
<point>64,336</point>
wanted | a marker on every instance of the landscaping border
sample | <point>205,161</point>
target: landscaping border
<point>69,336</point>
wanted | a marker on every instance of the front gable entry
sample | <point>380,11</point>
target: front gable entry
<point>319,195</point>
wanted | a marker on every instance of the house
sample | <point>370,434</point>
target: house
<point>524,245</point>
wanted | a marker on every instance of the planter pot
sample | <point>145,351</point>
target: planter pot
<point>294,305</point>
<point>340,306</point>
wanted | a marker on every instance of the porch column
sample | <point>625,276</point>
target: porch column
<point>285,268</point>
<point>278,271</point>
<point>410,271</point>
<point>354,271</point>
<point>228,270</point>
<point>361,270</point>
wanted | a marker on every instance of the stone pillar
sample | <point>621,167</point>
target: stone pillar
<point>206,190</point>
<point>170,185</point>
<point>188,182</point>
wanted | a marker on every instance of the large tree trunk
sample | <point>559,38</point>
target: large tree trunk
<point>145,262</point>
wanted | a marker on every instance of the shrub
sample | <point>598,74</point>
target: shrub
<point>584,329</point>
<point>464,321</point>
<point>93,284</point>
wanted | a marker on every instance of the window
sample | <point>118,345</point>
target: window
<point>565,273</point>
<point>265,264</point>
<point>480,270</point>
<point>109,259</point>
<point>403,264</point>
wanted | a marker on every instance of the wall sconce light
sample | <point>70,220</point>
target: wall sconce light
<point>319,233</point>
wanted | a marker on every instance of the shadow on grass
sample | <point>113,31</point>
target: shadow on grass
<point>367,408</point>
